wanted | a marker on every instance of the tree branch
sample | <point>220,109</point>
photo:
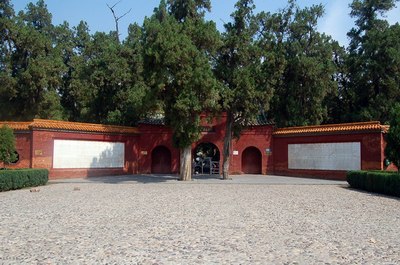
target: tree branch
<point>116,18</point>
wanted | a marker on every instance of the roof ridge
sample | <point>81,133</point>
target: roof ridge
<point>17,125</point>
<point>331,125</point>
<point>341,127</point>
<point>70,126</point>
<point>79,123</point>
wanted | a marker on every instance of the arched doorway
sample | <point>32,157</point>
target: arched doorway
<point>251,161</point>
<point>206,159</point>
<point>161,160</point>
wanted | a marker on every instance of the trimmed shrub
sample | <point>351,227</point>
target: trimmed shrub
<point>22,178</point>
<point>384,182</point>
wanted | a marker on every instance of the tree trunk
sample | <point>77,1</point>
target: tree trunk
<point>186,164</point>
<point>227,145</point>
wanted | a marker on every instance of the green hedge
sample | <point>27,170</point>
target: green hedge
<point>384,182</point>
<point>22,178</point>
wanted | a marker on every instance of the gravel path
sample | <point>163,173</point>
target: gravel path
<point>197,223</point>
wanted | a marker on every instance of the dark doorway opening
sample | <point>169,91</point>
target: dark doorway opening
<point>161,160</point>
<point>206,159</point>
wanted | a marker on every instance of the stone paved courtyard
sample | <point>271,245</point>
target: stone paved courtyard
<point>156,220</point>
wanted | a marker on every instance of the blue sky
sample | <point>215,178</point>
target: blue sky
<point>336,21</point>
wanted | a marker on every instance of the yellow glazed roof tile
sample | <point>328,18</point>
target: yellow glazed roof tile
<point>334,128</point>
<point>70,126</point>
<point>17,126</point>
<point>90,127</point>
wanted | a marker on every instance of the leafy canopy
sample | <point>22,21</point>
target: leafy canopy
<point>373,60</point>
<point>178,70</point>
<point>308,67</point>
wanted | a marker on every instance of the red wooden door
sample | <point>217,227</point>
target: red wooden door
<point>161,160</point>
<point>251,161</point>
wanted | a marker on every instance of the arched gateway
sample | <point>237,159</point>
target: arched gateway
<point>251,161</point>
<point>206,159</point>
<point>161,160</point>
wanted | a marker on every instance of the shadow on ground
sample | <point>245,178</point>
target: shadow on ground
<point>372,194</point>
<point>143,179</point>
<point>203,179</point>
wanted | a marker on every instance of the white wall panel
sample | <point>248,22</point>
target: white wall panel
<point>88,154</point>
<point>325,156</point>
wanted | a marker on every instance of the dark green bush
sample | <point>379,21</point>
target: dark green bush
<point>22,178</point>
<point>384,182</point>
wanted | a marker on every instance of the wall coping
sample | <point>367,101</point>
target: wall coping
<point>41,124</point>
<point>373,126</point>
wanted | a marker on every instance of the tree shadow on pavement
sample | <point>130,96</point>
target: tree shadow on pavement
<point>143,179</point>
<point>372,194</point>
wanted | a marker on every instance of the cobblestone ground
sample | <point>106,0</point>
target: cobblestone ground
<point>181,223</point>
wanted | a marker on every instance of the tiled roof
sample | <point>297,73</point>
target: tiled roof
<point>16,126</point>
<point>334,128</point>
<point>260,121</point>
<point>153,121</point>
<point>161,121</point>
<point>70,126</point>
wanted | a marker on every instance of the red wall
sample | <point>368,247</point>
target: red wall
<point>35,149</point>
<point>152,136</point>
<point>371,153</point>
<point>259,137</point>
<point>42,153</point>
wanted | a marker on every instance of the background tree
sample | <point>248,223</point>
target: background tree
<point>242,65</point>
<point>374,59</point>
<point>309,68</point>
<point>7,24</point>
<point>129,101</point>
<point>117,18</point>
<point>75,92</point>
<point>104,82</point>
<point>177,59</point>
<point>338,100</point>
<point>7,145</point>
<point>33,67</point>
<point>392,150</point>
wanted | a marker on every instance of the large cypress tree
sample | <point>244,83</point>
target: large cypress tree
<point>374,59</point>
<point>33,66</point>
<point>309,71</point>
<point>243,66</point>
<point>178,44</point>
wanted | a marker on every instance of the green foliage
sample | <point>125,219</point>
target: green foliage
<point>177,55</point>
<point>243,66</point>
<point>32,65</point>
<point>7,145</point>
<point>55,72</point>
<point>373,60</point>
<point>338,100</point>
<point>392,150</point>
<point>277,65</point>
<point>192,9</point>
<point>22,178</point>
<point>308,75</point>
<point>375,181</point>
